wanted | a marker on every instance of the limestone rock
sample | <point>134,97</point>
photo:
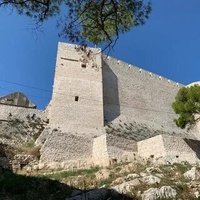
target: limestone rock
<point>41,166</point>
<point>118,181</point>
<point>151,179</point>
<point>193,174</point>
<point>132,176</point>
<point>143,174</point>
<point>35,167</point>
<point>164,192</point>
<point>197,194</point>
<point>159,175</point>
<point>167,192</point>
<point>153,170</point>
<point>194,184</point>
<point>127,168</point>
<point>126,187</point>
<point>102,174</point>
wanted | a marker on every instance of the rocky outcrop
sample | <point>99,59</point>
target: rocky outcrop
<point>165,192</point>
<point>193,174</point>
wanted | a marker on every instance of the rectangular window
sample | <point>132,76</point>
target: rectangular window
<point>76,98</point>
<point>83,65</point>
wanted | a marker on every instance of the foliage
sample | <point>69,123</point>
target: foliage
<point>65,174</point>
<point>187,106</point>
<point>99,22</point>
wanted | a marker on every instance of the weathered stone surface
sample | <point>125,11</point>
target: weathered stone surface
<point>197,194</point>
<point>167,149</point>
<point>153,170</point>
<point>151,179</point>
<point>128,168</point>
<point>193,174</point>
<point>164,192</point>
<point>102,174</point>
<point>194,184</point>
<point>132,176</point>
<point>118,181</point>
<point>126,187</point>
<point>21,161</point>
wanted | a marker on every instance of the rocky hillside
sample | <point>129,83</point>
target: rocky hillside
<point>18,132</point>
<point>17,138</point>
<point>22,177</point>
<point>136,181</point>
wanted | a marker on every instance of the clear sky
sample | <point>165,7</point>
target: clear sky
<point>168,45</point>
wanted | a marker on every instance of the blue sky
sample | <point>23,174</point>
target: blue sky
<point>168,45</point>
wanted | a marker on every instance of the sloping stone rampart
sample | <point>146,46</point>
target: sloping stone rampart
<point>167,149</point>
<point>120,148</point>
<point>109,149</point>
<point>152,147</point>
<point>65,147</point>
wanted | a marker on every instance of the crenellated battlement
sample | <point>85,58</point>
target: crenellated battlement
<point>141,71</point>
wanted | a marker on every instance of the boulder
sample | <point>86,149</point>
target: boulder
<point>126,187</point>
<point>192,174</point>
<point>118,181</point>
<point>165,192</point>
<point>132,176</point>
<point>150,179</point>
<point>153,170</point>
<point>102,174</point>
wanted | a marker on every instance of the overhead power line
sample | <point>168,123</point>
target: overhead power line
<point>30,95</point>
<point>14,83</point>
<point>64,94</point>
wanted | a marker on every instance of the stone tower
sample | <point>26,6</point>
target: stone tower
<point>77,101</point>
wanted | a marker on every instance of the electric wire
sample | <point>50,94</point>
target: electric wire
<point>64,94</point>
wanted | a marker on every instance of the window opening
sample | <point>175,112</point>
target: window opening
<point>83,65</point>
<point>151,156</point>
<point>76,98</point>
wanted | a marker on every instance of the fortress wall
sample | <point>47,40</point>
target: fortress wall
<point>168,149</point>
<point>152,147</point>
<point>8,112</point>
<point>178,150</point>
<point>109,149</point>
<point>61,147</point>
<point>78,75</point>
<point>132,94</point>
<point>120,148</point>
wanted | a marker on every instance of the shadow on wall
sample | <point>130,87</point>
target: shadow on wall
<point>110,94</point>
<point>194,145</point>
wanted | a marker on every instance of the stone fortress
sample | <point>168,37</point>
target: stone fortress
<point>104,110</point>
